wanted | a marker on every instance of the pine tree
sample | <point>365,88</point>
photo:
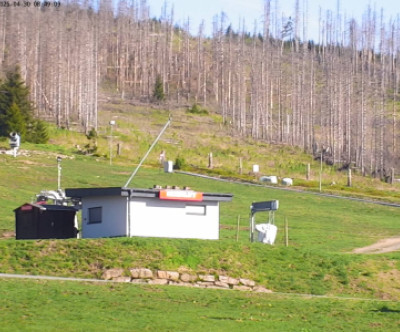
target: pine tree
<point>159,89</point>
<point>16,111</point>
<point>14,97</point>
<point>37,132</point>
<point>14,121</point>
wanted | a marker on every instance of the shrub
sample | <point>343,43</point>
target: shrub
<point>158,92</point>
<point>179,163</point>
<point>196,109</point>
<point>38,132</point>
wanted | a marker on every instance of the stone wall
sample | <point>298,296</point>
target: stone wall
<point>188,279</point>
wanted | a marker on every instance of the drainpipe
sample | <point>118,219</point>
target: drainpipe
<point>129,212</point>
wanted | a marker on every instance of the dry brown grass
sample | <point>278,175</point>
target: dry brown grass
<point>192,137</point>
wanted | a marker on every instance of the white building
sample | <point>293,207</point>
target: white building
<point>115,212</point>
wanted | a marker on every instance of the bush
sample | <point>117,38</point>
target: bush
<point>91,147</point>
<point>38,132</point>
<point>196,109</point>
<point>158,93</point>
<point>179,163</point>
<point>92,135</point>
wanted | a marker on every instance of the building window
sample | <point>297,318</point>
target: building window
<point>196,210</point>
<point>95,215</point>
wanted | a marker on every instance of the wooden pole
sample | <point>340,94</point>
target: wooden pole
<point>392,176</point>
<point>308,171</point>
<point>251,227</point>
<point>286,232</point>
<point>240,165</point>
<point>237,230</point>
<point>349,183</point>
<point>210,160</point>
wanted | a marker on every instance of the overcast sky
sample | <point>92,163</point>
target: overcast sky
<point>252,10</point>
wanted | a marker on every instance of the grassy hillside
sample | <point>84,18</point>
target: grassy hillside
<point>322,230</point>
<point>312,219</point>
<point>192,137</point>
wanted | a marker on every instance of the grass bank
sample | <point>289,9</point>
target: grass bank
<point>49,305</point>
<point>280,269</point>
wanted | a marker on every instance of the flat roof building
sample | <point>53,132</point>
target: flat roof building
<point>172,213</point>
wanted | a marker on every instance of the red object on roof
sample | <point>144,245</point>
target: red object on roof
<point>181,195</point>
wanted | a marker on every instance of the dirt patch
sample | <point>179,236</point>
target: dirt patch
<point>380,247</point>
<point>7,235</point>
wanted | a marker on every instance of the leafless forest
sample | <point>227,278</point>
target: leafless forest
<point>339,93</point>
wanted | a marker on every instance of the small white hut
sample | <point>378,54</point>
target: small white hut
<point>117,212</point>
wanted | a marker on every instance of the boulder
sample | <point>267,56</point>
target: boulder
<point>261,289</point>
<point>207,277</point>
<point>162,274</point>
<point>171,275</point>
<point>247,282</point>
<point>229,280</point>
<point>187,277</point>
<point>158,282</point>
<point>221,284</point>
<point>112,273</point>
<point>205,284</point>
<point>141,273</point>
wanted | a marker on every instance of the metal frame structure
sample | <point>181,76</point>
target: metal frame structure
<point>266,206</point>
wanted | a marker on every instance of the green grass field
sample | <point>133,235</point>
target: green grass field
<point>322,233</point>
<point>69,306</point>
<point>316,223</point>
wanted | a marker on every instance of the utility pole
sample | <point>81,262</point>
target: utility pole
<point>59,173</point>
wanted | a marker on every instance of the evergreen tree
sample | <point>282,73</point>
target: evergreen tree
<point>37,132</point>
<point>16,111</point>
<point>14,121</point>
<point>13,90</point>
<point>159,89</point>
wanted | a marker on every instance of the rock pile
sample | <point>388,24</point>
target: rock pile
<point>160,277</point>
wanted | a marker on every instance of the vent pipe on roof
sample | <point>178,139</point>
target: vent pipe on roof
<point>148,152</point>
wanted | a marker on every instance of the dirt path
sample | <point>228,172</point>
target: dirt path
<point>382,246</point>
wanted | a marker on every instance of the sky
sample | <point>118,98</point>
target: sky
<point>252,10</point>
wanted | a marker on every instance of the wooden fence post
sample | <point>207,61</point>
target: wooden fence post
<point>349,183</point>
<point>392,176</point>
<point>210,160</point>
<point>238,226</point>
